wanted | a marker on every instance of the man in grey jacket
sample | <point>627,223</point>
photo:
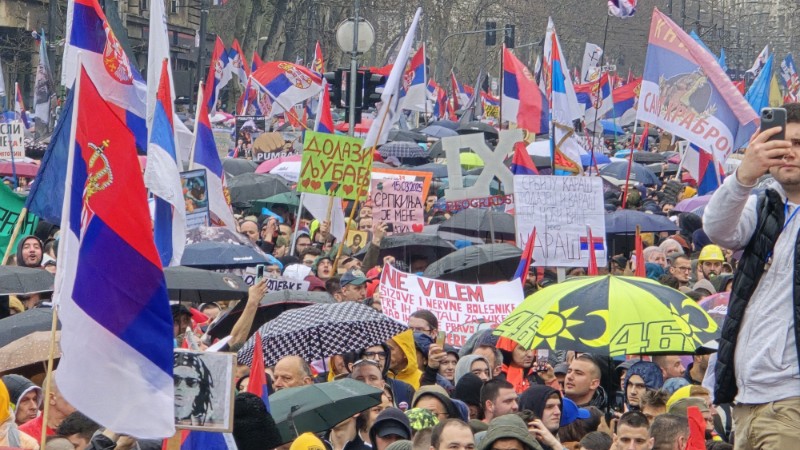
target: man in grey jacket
<point>758,357</point>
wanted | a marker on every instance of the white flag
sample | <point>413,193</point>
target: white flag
<point>158,51</point>
<point>759,62</point>
<point>592,56</point>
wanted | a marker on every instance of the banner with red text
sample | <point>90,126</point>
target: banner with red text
<point>462,309</point>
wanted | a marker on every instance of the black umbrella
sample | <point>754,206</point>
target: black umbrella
<point>485,263</point>
<point>238,166</point>
<point>320,407</point>
<point>438,131</point>
<point>254,186</point>
<point>624,221</point>
<point>477,127</point>
<point>186,284</point>
<point>449,235</point>
<point>404,246</point>
<point>219,255</point>
<point>402,149</point>
<point>24,280</point>
<point>25,323</point>
<point>407,136</point>
<point>481,222</point>
<point>269,308</point>
<point>640,173</point>
<point>438,170</point>
<point>647,157</point>
<point>445,123</point>
<point>318,331</point>
<point>658,167</point>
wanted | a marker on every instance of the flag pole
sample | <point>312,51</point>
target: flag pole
<point>297,223</point>
<point>17,227</point>
<point>289,111</point>
<point>599,79</point>
<point>200,101</point>
<point>502,75</point>
<point>48,389</point>
<point>630,163</point>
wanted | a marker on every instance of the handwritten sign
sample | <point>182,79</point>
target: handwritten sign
<point>560,208</point>
<point>286,284</point>
<point>462,309</point>
<point>11,135</point>
<point>337,166</point>
<point>398,197</point>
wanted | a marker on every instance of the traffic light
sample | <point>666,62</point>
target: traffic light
<point>491,33</point>
<point>373,88</point>
<point>334,80</point>
<point>508,36</point>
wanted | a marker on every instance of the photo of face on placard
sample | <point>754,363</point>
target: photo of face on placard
<point>356,240</point>
<point>203,390</point>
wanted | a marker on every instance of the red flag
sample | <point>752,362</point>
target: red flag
<point>319,64</point>
<point>640,270</point>
<point>257,384</point>
<point>255,62</point>
<point>527,257</point>
<point>454,87</point>
<point>592,269</point>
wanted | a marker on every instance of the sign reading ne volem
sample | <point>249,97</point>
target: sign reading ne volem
<point>11,135</point>
<point>462,309</point>
<point>561,208</point>
<point>337,166</point>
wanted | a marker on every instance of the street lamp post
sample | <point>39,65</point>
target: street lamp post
<point>354,36</point>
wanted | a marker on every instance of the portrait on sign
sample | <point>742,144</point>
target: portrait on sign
<point>203,390</point>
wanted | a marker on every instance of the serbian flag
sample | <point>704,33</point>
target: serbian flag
<point>711,114</point>
<point>522,164</point>
<point>460,97</point>
<point>116,324</point>
<point>592,268</point>
<point>439,97</point>
<point>238,63</point>
<point>87,31</point>
<point>623,9</point>
<point>255,62</point>
<point>204,440</point>
<point>19,106</point>
<point>567,150</point>
<point>625,98</point>
<point>413,94</point>
<point>285,84</point>
<point>324,118</point>
<point>205,156</point>
<point>596,97</point>
<point>162,176</point>
<point>527,258</point>
<point>219,73</point>
<point>257,384</point>
<point>319,63</point>
<point>700,165</point>
<point>522,102</point>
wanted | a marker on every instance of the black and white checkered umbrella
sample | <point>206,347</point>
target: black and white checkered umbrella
<point>318,331</point>
<point>400,149</point>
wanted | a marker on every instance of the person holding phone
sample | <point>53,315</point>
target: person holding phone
<point>758,352</point>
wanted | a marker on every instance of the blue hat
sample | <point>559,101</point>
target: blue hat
<point>273,261</point>
<point>354,277</point>
<point>570,412</point>
<point>423,342</point>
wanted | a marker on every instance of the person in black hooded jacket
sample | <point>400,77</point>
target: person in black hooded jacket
<point>546,404</point>
<point>30,252</point>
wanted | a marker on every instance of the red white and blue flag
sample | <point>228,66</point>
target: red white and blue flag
<point>285,85</point>
<point>204,440</point>
<point>685,92</point>
<point>205,156</point>
<point>625,99</point>
<point>257,384</point>
<point>255,62</point>
<point>318,65</point>
<point>567,150</point>
<point>102,55</point>
<point>413,93</point>
<point>700,165</point>
<point>596,97</point>
<point>219,73</point>
<point>324,118</point>
<point>523,102</point>
<point>116,324</point>
<point>622,8</point>
<point>460,97</point>
<point>162,176</point>
<point>238,63</point>
<point>526,258</point>
<point>19,106</point>
<point>439,97</point>
<point>521,163</point>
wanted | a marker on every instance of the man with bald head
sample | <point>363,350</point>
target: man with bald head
<point>249,229</point>
<point>59,410</point>
<point>292,371</point>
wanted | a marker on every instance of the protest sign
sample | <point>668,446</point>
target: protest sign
<point>286,284</point>
<point>11,205</point>
<point>560,208</point>
<point>337,166</point>
<point>483,202</point>
<point>462,309</point>
<point>493,166</point>
<point>11,135</point>
<point>398,198</point>
<point>195,196</point>
<point>204,390</point>
<point>248,129</point>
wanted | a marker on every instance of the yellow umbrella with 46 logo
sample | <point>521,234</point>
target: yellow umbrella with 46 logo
<point>611,315</point>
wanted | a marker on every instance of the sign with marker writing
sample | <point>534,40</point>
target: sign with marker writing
<point>11,135</point>
<point>398,197</point>
<point>462,309</point>
<point>561,208</point>
<point>333,165</point>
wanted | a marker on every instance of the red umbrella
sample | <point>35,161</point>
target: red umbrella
<point>23,169</point>
<point>270,164</point>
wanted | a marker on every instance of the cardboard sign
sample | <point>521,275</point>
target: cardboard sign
<point>462,309</point>
<point>11,135</point>
<point>492,159</point>
<point>286,284</point>
<point>337,166</point>
<point>560,208</point>
<point>483,202</point>
<point>398,197</point>
<point>195,196</point>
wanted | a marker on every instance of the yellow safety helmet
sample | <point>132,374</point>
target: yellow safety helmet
<point>711,252</point>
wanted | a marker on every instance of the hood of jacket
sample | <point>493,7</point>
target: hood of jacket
<point>535,398</point>
<point>464,365</point>
<point>410,373</point>
<point>21,243</point>
<point>510,426</point>
<point>650,373</point>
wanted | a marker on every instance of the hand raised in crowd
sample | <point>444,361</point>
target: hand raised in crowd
<point>539,431</point>
<point>436,355</point>
<point>268,233</point>
<point>257,291</point>
<point>547,375</point>
<point>760,155</point>
<point>324,231</point>
<point>378,232</point>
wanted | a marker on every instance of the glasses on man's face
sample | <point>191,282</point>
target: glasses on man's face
<point>374,355</point>
<point>420,329</point>
<point>190,382</point>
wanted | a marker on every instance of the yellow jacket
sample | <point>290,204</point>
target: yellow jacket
<point>411,373</point>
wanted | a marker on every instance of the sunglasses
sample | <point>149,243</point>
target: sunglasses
<point>190,382</point>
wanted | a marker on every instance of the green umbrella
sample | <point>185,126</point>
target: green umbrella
<point>291,200</point>
<point>610,315</point>
<point>470,160</point>
<point>319,407</point>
